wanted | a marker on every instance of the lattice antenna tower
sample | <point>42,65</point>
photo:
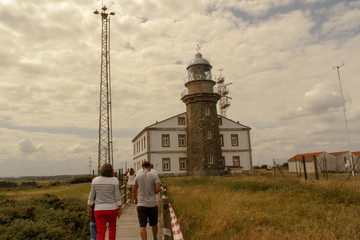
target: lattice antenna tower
<point>105,153</point>
<point>346,121</point>
<point>224,102</point>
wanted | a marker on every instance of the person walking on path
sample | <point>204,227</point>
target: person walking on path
<point>105,191</point>
<point>147,184</point>
<point>153,170</point>
<point>131,179</point>
<point>93,223</point>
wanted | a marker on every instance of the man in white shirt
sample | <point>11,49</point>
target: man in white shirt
<point>147,184</point>
<point>153,170</point>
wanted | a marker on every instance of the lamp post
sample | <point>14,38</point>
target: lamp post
<point>105,153</point>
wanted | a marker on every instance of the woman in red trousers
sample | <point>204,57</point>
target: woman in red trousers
<point>107,202</point>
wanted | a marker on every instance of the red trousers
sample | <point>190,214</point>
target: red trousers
<point>103,216</point>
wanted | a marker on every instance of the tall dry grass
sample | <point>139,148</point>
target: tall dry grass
<point>261,206</point>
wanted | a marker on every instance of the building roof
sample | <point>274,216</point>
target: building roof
<point>356,153</point>
<point>154,124</point>
<point>338,153</point>
<point>236,122</point>
<point>308,156</point>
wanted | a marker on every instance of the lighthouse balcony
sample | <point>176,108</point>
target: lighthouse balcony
<point>183,93</point>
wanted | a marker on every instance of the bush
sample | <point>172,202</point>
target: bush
<point>44,217</point>
<point>81,179</point>
<point>264,166</point>
<point>56,183</point>
<point>5,184</point>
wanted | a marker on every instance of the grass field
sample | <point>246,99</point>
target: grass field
<point>80,190</point>
<point>261,206</point>
<point>45,212</point>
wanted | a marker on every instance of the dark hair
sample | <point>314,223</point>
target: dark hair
<point>146,164</point>
<point>107,170</point>
<point>132,171</point>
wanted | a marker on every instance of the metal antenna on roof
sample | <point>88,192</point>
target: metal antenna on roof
<point>198,48</point>
<point>223,91</point>
<point>346,122</point>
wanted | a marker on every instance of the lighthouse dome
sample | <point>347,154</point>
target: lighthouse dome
<point>199,69</point>
<point>198,60</point>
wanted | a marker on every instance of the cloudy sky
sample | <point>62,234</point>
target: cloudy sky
<point>278,54</point>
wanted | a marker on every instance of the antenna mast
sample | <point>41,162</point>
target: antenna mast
<point>346,122</point>
<point>224,102</point>
<point>105,154</point>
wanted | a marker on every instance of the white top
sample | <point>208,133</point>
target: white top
<point>105,191</point>
<point>154,171</point>
<point>131,179</point>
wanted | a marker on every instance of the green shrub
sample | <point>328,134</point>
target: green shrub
<point>81,179</point>
<point>56,183</point>
<point>44,217</point>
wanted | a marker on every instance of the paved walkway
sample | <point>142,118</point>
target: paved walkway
<point>127,227</point>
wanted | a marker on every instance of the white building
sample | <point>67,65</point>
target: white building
<point>164,145</point>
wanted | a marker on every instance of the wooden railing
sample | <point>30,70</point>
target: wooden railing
<point>124,194</point>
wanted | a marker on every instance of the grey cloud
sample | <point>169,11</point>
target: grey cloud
<point>27,147</point>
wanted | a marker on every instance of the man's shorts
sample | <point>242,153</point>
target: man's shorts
<point>145,213</point>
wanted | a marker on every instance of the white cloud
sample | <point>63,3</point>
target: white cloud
<point>321,99</point>
<point>76,149</point>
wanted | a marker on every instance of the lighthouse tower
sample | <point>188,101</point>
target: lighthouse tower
<point>204,155</point>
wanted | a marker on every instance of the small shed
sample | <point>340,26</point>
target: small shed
<point>325,162</point>
<point>356,159</point>
<point>343,161</point>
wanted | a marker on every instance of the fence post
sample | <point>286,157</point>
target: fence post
<point>274,166</point>
<point>166,218</point>
<point>125,192</point>
<point>316,169</point>
<point>305,173</point>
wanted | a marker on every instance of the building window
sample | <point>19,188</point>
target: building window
<point>134,149</point>
<point>207,111</point>
<point>182,163</point>
<point>220,121</point>
<point>144,142</point>
<point>181,120</point>
<point>211,159</point>
<point>166,164</point>
<point>236,161</point>
<point>221,140</point>
<point>165,140</point>
<point>208,134</point>
<point>234,140</point>
<point>182,142</point>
